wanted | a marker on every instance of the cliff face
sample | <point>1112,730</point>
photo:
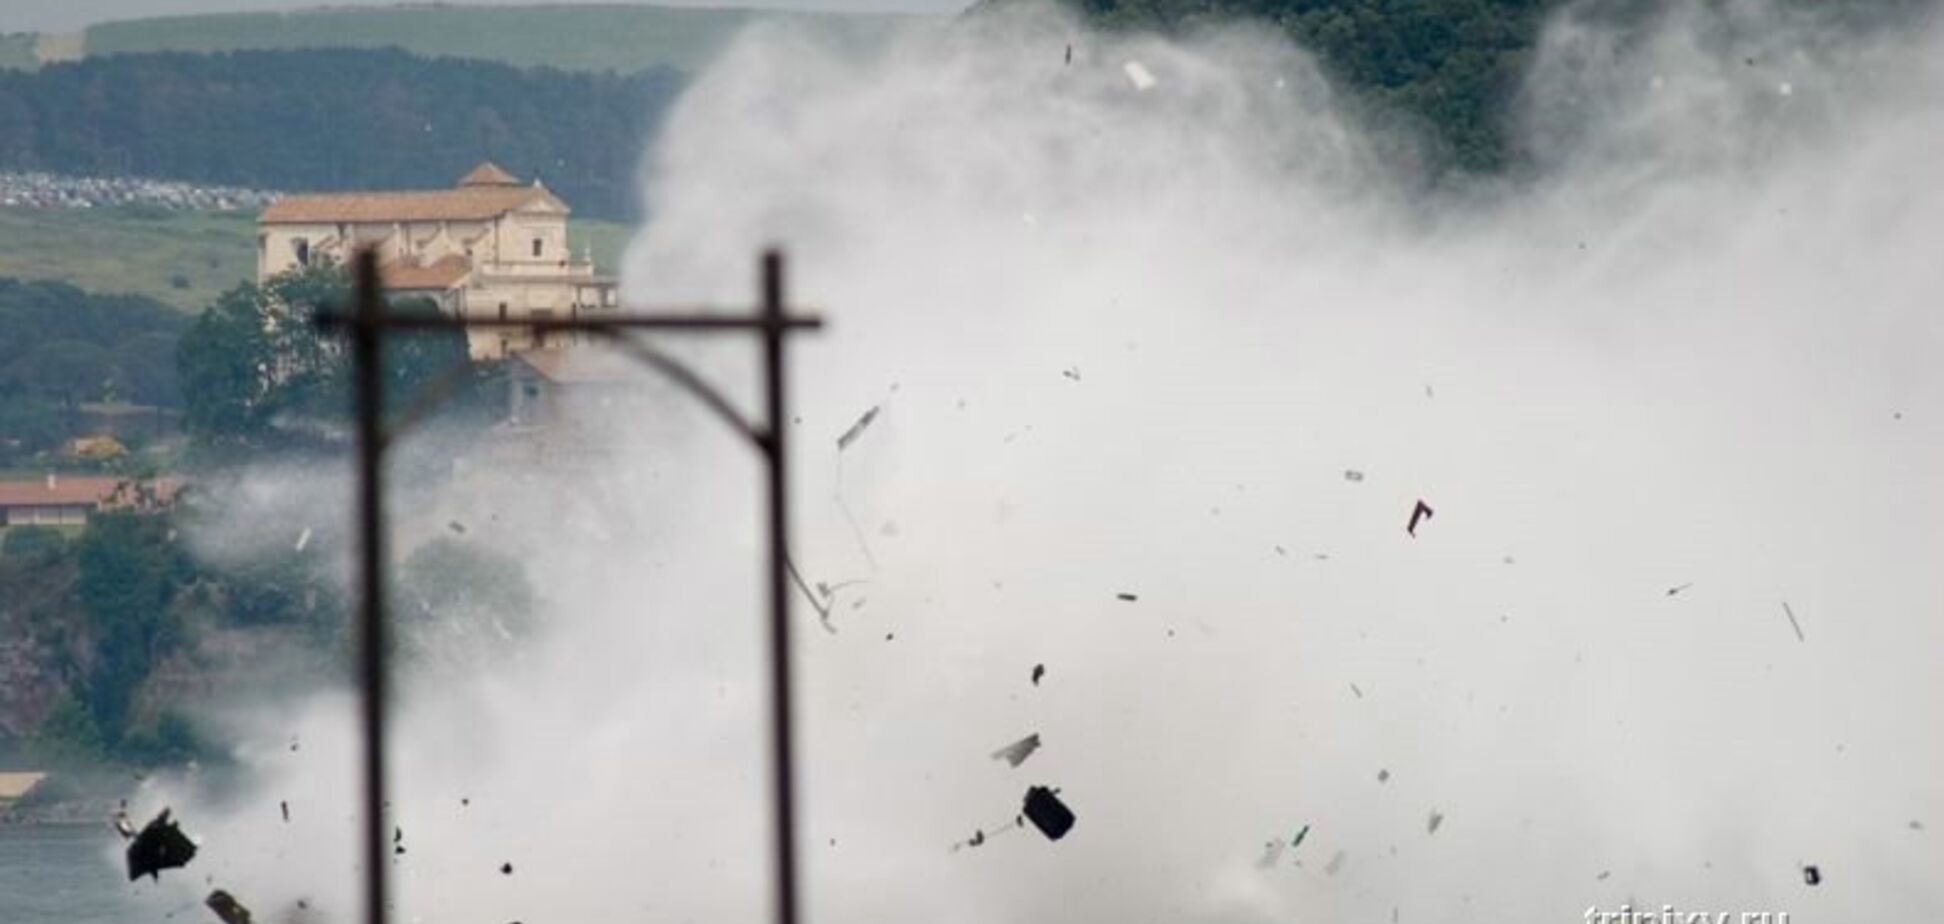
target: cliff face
<point>48,649</point>
<point>43,638</point>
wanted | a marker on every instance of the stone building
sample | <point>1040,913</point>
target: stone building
<point>491,248</point>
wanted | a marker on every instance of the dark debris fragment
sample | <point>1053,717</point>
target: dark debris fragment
<point>160,846</point>
<point>1047,813</point>
<point>1812,875</point>
<point>1017,752</point>
<point>1419,513</point>
<point>857,429</point>
<point>227,907</point>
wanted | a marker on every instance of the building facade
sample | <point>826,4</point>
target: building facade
<point>492,248</point>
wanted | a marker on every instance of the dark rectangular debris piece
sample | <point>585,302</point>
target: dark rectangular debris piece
<point>227,908</point>
<point>1047,813</point>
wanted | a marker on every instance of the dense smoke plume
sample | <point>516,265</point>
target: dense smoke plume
<point>1134,341</point>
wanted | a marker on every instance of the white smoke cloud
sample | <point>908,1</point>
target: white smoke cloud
<point>1129,340</point>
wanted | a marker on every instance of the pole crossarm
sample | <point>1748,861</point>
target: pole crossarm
<point>694,322</point>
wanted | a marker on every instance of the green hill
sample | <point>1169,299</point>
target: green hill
<point>570,37</point>
<point>183,259</point>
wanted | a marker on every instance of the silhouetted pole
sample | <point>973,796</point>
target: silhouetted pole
<point>776,442</point>
<point>366,337</point>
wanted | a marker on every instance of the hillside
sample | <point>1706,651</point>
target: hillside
<point>624,39</point>
<point>210,251</point>
<point>334,119</point>
<point>183,259</point>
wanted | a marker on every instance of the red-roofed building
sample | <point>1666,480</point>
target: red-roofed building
<point>66,500</point>
<point>492,248</point>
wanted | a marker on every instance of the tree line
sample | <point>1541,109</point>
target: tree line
<point>335,119</point>
<point>61,348</point>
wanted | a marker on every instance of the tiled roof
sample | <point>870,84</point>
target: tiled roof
<point>72,490</point>
<point>471,203</point>
<point>488,174</point>
<point>443,273</point>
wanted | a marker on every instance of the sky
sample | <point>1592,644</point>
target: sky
<point>1164,348</point>
<point>68,15</point>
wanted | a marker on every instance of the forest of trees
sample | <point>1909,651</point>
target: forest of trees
<point>334,119</point>
<point>1450,68</point>
<point>61,348</point>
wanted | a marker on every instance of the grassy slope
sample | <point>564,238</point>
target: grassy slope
<point>593,37</point>
<point>116,250</point>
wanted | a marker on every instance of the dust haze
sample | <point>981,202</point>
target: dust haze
<point>1679,373</point>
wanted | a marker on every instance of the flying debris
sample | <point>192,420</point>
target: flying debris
<point>1047,813</point>
<point>160,846</point>
<point>857,429</point>
<point>1792,621</point>
<point>1383,776</point>
<point>303,538</point>
<point>398,842</point>
<point>1603,875</point>
<point>1431,827</point>
<point>506,869</point>
<point>1138,75</point>
<point>123,826</point>
<point>1812,875</point>
<point>227,907</point>
<point>1336,863</point>
<point>1357,690</point>
<point>1271,852</point>
<point>457,527</point>
<point>1421,512</point>
<point>1017,752</point>
<point>1039,670</point>
<point>1351,474</point>
<point>1671,591</point>
<point>285,806</point>
<point>1297,841</point>
<point>978,839</point>
<point>1126,598</point>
